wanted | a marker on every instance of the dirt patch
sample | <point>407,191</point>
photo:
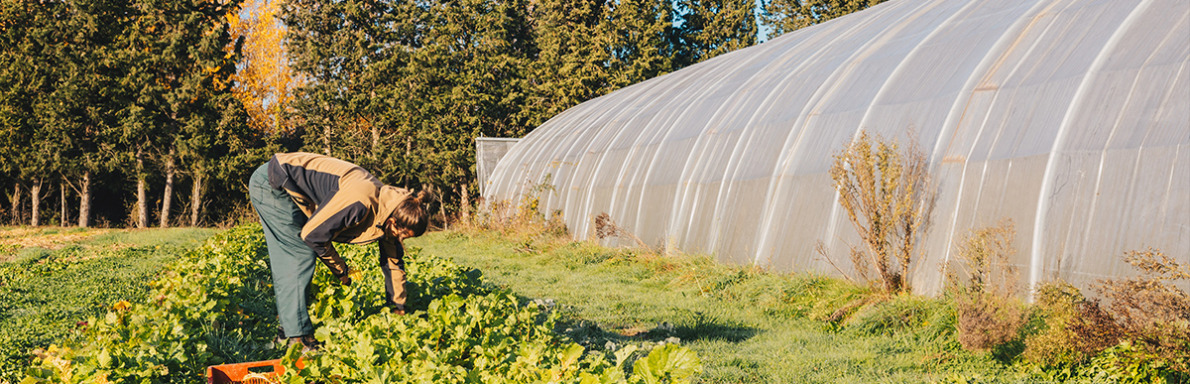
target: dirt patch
<point>632,331</point>
<point>15,239</point>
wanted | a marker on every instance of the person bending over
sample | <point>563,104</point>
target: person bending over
<point>306,202</point>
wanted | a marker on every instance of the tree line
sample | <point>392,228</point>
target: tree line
<point>119,112</point>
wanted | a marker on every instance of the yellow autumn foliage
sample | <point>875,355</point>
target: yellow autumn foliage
<point>264,82</point>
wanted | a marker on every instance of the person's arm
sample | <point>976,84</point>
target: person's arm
<point>392,264</point>
<point>323,226</point>
<point>330,256</point>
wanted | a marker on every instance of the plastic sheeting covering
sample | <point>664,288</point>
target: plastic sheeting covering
<point>1069,117</point>
<point>488,152</point>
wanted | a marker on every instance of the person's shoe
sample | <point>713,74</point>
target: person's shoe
<point>400,310</point>
<point>279,340</point>
<point>308,342</point>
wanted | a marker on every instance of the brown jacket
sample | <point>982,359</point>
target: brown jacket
<point>344,203</point>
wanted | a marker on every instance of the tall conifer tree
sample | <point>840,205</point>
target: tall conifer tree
<point>710,28</point>
<point>570,56</point>
<point>177,62</point>
<point>784,16</point>
<point>352,52</point>
<point>79,109</point>
<point>640,46</point>
<point>401,88</point>
<point>469,81</point>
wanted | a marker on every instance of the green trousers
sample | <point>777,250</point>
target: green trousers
<point>290,259</point>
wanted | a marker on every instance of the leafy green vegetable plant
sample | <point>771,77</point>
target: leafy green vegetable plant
<point>215,306</point>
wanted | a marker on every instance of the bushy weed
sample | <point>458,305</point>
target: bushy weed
<point>1152,312</point>
<point>988,321</point>
<point>520,219</point>
<point>1056,346</point>
<point>982,285</point>
<point>1140,336</point>
<point>888,197</point>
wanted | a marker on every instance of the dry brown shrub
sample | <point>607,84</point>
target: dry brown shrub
<point>1093,329</point>
<point>888,198</point>
<point>986,321</point>
<point>983,285</point>
<point>984,259</point>
<point>1150,309</point>
<point>1147,310</point>
<point>524,217</point>
<point>605,228</point>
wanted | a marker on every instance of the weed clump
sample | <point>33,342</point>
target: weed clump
<point>1152,312</point>
<point>904,314</point>
<point>1140,335</point>
<point>523,218</point>
<point>605,228</point>
<point>987,321</point>
<point>886,193</point>
<point>1074,329</point>
<point>989,315</point>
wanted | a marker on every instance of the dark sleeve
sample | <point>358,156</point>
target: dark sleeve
<point>330,256</point>
<point>278,178</point>
<point>392,265</point>
<point>323,227</point>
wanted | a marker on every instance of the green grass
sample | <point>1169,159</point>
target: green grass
<point>747,325</point>
<point>46,294</point>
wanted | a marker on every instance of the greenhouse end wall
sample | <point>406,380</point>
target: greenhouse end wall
<point>1071,118</point>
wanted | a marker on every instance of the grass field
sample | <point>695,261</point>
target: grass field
<point>52,279</point>
<point>748,326</point>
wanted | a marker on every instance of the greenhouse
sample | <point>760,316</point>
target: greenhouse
<point>1069,117</point>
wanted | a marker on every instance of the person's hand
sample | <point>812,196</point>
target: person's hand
<point>352,273</point>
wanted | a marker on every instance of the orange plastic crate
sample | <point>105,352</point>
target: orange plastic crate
<point>253,372</point>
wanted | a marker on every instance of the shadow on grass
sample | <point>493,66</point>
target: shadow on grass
<point>689,328</point>
<point>1008,352</point>
<point>703,328</point>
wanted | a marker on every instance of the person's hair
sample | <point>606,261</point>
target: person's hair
<point>411,213</point>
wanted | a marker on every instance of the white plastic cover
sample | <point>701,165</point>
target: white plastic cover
<point>1070,117</point>
<point>488,152</point>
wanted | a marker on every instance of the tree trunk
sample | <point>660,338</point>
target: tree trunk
<point>195,199</point>
<point>465,205</point>
<point>167,197</point>
<point>35,196</point>
<point>62,203</point>
<point>85,201</point>
<point>441,205</point>
<point>326,131</point>
<point>375,139</point>
<point>326,140</point>
<point>375,133</point>
<point>16,204</point>
<point>142,201</point>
